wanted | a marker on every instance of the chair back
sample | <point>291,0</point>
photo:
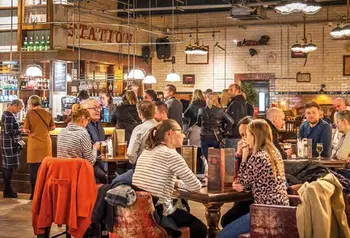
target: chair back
<point>273,221</point>
<point>137,220</point>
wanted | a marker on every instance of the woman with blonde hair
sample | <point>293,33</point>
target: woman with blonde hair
<point>225,98</point>
<point>262,170</point>
<point>191,115</point>
<point>212,120</point>
<point>125,115</point>
<point>38,124</point>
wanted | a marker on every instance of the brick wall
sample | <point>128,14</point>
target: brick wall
<point>325,64</point>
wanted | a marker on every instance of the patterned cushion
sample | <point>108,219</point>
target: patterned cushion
<point>273,221</point>
<point>347,206</point>
<point>137,220</point>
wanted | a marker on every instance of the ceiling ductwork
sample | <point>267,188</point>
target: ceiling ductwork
<point>245,13</point>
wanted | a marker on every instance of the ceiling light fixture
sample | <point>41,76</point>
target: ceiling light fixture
<point>173,76</point>
<point>196,49</point>
<point>306,47</point>
<point>150,79</point>
<point>33,70</point>
<point>291,6</point>
<point>136,73</point>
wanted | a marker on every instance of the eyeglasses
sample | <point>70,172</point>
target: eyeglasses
<point>97,109</point>
<point>177,129</point>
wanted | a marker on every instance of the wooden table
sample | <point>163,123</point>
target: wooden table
<point>327,162</point>
<point>112,164</point>
<point>213,201</point>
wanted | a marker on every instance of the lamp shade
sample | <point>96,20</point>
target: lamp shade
<point>312,7</point>
<point>346,30</point>
<point>136,73</point>
<point>309,48</point>
<point>337,32</point>
<point>297,47</point>
<point>173,77</point>
<point>150,79</point>
<point>33,70</point>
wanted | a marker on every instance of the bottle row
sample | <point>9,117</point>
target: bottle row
<point>8,82</point>
<point>37,45</point>
<point>7,96</point>
<point>35,84</point>
<point>35,2</point>
<point>45,102</point>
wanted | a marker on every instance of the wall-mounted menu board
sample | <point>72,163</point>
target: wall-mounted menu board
<point>59,76</point>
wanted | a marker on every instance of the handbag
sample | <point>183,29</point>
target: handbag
<point>42,119</point>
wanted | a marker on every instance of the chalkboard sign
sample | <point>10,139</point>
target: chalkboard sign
<point>59,76</point>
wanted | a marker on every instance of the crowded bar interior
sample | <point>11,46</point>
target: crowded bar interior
<point>175,118</point>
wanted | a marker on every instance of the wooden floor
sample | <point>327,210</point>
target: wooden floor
<point>15,217</point>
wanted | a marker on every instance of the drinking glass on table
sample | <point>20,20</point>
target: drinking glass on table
<point>319,149</point>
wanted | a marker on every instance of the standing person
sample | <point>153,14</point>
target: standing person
<point>224,98</point>
<point>174,106</point>
<point>150,95</point>
<point>160,169</point>
<point>38,124</point>
<point>250,108</point>
<point>206,92</point>
<point>161,111</point>
<point>316,129</point>
<point>74,140</point>
<point>82,96</point>
<point>106,105</point>
<point>125,116</point>
<point>97,135</point>
<point>262,170</point>
<point>138,138</point>
<point>237,109</point>
<point>275,118</point>
<point>11,145</point>
<point>212,119</point>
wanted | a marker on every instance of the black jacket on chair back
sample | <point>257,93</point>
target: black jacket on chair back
<point>191,112</point>
<point>212,118</point>
<point>125,116</point>
<point>237,109</point>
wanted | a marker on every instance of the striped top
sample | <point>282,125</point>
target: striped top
<point>156,172</point>
<point>74,142</point>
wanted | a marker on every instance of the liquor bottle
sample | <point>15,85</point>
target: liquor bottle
<point>48,43</point>
<point>31,44</point>
<point>25,44</point>
<point>37,44</point>
<point>42,44</point>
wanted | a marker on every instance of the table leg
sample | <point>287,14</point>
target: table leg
<point>213,215</point>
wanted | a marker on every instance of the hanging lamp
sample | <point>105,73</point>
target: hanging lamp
<point>150,79</point>
<point>33,70</point>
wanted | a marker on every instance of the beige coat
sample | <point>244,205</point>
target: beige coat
<point>321,213</point>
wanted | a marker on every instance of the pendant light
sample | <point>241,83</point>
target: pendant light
<point>33,70</point>
<point>149,79</point>
<point>291,6</point>
<point>306,47</point>
<point>340,32</point>
<point>172,76</point>
<point>135,73</point>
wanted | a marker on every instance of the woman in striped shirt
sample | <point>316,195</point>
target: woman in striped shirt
<point>74,140</point>
<point>157,170</point>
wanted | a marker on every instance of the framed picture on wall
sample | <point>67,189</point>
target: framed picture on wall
<point>188,79</point>
<point>198,59</point>
<point>346,65</point>
<point>303,77</point>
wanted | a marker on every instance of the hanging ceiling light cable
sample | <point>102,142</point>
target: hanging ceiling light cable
<point>150,79</point>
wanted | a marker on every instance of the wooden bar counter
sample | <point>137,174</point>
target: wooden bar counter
<point>20,178</point>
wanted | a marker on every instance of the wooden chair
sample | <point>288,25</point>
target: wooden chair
<point>273,221</point>
<point>137,220</point>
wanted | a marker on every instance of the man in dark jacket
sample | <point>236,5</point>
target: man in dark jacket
<point>275,118</point>
<point>237,109</point>
<point>174,106</point>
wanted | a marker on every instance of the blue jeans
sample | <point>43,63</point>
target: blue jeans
<point>231,143</point>
<point>125,178</point>
<point>206,143</point>
<point>237,227</point>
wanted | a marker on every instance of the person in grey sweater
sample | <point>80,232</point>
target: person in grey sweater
<point>174,106</point>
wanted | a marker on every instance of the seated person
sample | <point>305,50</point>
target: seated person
<point>138,138</point>
<point>275,118</point>
<point>74,140</point>
<point>157,170</point>
<point>262,171</point>
<point>241,208</point>
<point>343,126</point>
<point>316,129</point>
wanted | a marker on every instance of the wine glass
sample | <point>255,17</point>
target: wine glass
<point>319,149</point>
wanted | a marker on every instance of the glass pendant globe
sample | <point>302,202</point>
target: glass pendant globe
<point>150,79</point>
<point>136,73</point>
<point>173,77</point>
